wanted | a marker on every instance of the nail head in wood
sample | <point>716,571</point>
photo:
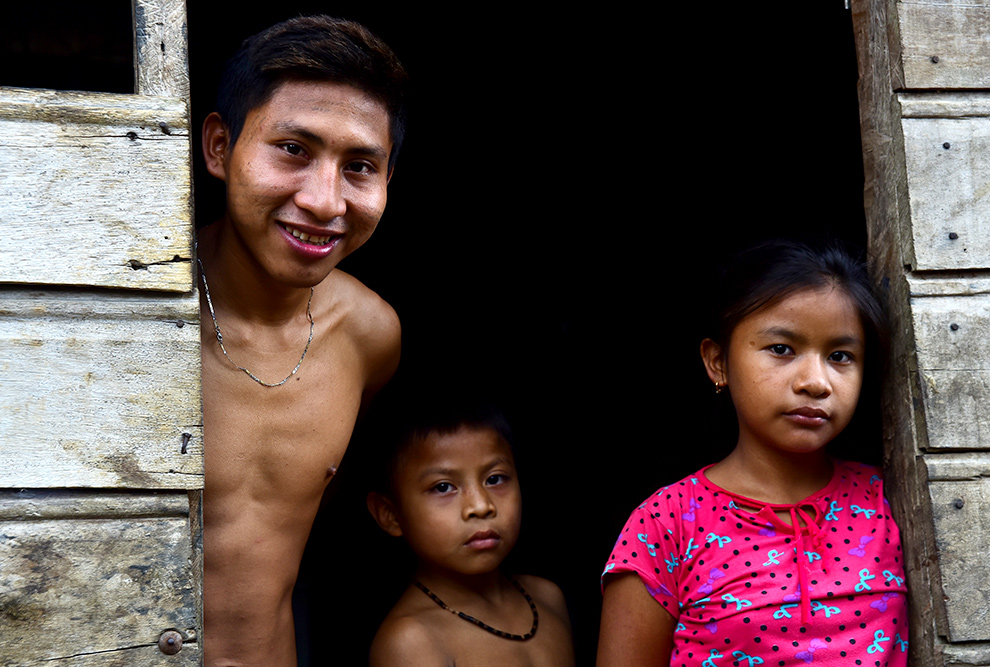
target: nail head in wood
<point>170,642</point>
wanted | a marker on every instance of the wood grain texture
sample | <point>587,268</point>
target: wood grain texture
<point>944,44</point>
<point>962,534</point>
<point>953,345</point>
<point>101,192</point>
<point>889,231</point>
<point>948,171</point>
<point>99,390</point>
<point>161,61</point>
<point>98,590</point>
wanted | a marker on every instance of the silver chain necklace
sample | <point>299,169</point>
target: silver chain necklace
<point>209,302</point>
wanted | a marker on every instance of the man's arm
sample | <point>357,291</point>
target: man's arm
<point>635,630</point>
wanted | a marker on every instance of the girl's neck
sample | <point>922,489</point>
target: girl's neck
<point>770,476</point>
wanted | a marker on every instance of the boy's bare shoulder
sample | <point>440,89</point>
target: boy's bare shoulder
<point>410,635</point>
<point>546,594</point>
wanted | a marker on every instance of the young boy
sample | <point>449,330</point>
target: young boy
<point>453,494</point>
<point>310,118</point>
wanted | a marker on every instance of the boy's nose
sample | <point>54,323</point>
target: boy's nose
<point>478,503</point>
<point>322,194</point>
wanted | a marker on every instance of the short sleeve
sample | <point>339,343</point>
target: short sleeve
<point>642,547</point>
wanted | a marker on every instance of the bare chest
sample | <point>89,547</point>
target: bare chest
<point>287,439</point>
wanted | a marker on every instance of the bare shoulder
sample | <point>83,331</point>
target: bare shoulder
<point>546,594</point>
<point>408,636</point>
<point>370,322</point>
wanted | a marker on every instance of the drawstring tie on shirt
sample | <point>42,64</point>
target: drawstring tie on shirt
<point>812,532</point>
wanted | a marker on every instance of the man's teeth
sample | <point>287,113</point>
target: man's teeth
<point>302,236</point>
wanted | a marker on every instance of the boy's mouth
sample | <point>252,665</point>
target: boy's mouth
<point>307,238</point>
<point>484,539</point>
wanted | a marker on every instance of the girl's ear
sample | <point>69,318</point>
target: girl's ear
<point>711,354</point>
<point>215,145</point>
<point>383,512</point>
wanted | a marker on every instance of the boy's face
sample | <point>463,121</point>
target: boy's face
<point>306,179</point>
<point>457,501</point>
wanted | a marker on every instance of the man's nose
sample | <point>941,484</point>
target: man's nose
<point>322,193</point>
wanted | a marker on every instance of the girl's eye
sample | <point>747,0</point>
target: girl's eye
<point>840,357</point>
<point>780,349</point>
<point>495,479</point>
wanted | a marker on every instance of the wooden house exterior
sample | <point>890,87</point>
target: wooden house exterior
<point>925,118</point>
<point>101,466</point>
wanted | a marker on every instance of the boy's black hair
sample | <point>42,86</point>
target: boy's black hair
<point>313,48</point>
<point>416,420</point>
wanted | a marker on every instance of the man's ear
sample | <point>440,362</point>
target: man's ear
<point>383,512</point>
<point>216,145</point>
<point>711,354</point>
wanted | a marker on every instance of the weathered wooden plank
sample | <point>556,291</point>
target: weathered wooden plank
<point>101,192</point>
<point>949,284</point>
<point>967,655</point>
<point>889,229</point>
<point>944,44</point>
<point>952,335</point>
<point>948,172</point>
<point>99,392</point>
<point>958,466</point>
<point>961,510</point>
<point>945,105</point>
<point>96,591</point>
<point>161,64</point>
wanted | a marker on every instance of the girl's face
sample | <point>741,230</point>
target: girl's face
<point>794,370</point>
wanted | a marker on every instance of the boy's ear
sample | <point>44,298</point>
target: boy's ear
<point>216,140</point>
<point>383,512</point>
<point>711,354</point>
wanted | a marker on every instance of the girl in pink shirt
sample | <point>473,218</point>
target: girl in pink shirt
<point>777,554</point>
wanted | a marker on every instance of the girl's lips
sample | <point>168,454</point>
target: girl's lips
<point>807,416</point>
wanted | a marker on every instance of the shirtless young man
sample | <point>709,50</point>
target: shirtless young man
<point>310,118</point>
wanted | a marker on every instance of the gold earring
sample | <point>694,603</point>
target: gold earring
<point>719,387</point>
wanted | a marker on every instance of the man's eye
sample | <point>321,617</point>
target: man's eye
<point>780,348</point>
<point>292,149</point>
<point>361,168</point>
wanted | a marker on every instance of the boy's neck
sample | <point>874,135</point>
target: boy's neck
<point>490,586</point>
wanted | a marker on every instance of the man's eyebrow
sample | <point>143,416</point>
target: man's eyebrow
<point>289,127</point>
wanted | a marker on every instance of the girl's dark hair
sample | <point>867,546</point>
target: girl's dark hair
<point>767,273</point>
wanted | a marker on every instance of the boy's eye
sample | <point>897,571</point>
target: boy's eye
<point>443,487</point>
<point>840,357</point>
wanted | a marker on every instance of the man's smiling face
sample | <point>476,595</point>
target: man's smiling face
<point>306,178</point>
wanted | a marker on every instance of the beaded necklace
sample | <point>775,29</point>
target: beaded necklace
<point>484,626</point>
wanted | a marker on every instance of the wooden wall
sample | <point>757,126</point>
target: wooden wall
<point>101,468</point>
<point>926,132</point>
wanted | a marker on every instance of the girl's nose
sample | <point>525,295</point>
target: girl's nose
<point>478,504</point>
<point>812,378</point>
